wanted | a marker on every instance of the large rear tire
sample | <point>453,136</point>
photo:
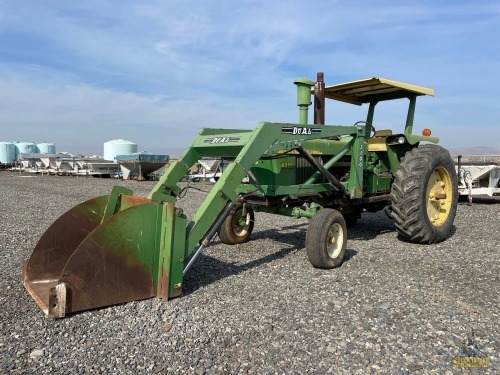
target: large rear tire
<point>237,227</point>
<point>424,195</point>
<point>326,239</point>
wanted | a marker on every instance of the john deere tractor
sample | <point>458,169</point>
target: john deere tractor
<point>120,247</point>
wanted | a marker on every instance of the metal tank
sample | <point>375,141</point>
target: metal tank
<point>118,147</point>
<point>46,148</point>
<point>26,148</point>
<point>7,152</point>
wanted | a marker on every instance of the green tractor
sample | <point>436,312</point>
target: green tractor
<point>118,248</point>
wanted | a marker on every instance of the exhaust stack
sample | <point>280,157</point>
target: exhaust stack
<point>319,100</point>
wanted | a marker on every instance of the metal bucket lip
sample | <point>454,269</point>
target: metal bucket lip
<point>39,301</point>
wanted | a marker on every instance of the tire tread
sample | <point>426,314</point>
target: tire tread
<point>408,212</point>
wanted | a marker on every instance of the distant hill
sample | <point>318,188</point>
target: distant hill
<point>478,150</point>
<point>174,153</point>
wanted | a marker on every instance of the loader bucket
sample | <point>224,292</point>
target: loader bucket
<point>101,252</point>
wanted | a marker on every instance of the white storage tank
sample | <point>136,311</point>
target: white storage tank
<point>7,152</point>
<point>26,148</point>
<point>15,148</point>
<point>118,147</point>
<point>46,148</point>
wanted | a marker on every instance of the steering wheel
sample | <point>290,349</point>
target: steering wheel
<point>372,128</point>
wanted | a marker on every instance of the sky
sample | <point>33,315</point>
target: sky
<point>80,73</point>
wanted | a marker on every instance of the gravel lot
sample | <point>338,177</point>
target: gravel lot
<point>260,307</point>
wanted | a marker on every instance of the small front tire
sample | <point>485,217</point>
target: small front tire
<point>237,227</point>
<point>326,239</point>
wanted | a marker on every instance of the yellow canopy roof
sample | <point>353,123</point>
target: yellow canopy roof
<point>373,89</point>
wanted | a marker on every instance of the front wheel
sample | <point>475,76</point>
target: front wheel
<point>238,226</point>
<point>326,239</point>
<point>424,195</point>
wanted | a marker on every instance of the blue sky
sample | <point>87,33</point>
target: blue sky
<point>154,72</point>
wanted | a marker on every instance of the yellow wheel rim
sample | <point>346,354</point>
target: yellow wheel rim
<point>335,240</point>
<point>240,225</point>
<point>439,196</point>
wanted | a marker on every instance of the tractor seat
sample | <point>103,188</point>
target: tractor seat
<point>377,142</point>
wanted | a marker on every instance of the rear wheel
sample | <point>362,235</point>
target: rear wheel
<point>237,227</point>
<point>424,195</point>
<point>326,239</point>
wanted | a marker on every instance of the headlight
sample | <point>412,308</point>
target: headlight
<point>397,139</point>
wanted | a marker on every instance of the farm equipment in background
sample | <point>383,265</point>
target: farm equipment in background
<point>208,169</point>
<point>118,248</point>
<point>478,178</point>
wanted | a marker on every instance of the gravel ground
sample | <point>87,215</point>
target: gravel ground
<point>260,307</point>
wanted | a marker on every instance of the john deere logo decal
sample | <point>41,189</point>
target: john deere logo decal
<point>221,140</point>
<point>302,130</point>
